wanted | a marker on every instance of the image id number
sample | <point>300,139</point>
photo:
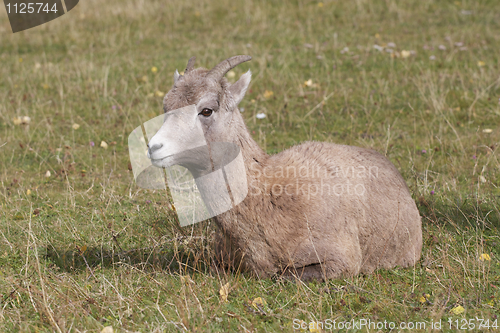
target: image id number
<point>30,8</point>
<point>477,323</point>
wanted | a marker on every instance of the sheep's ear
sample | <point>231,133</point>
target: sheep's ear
<point>239,88</point>
<point>176,76</point>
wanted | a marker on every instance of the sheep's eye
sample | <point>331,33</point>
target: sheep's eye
<point>206,112</point>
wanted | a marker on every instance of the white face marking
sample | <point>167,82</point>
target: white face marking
<point>181,131</point>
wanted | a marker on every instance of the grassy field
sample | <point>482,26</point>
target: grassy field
<point>82,247</point>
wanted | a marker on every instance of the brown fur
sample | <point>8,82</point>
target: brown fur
<point>316,235</point>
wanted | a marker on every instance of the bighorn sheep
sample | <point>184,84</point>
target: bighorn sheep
<point>319,210</point>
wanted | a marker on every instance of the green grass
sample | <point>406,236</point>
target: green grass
<point>86,248</point>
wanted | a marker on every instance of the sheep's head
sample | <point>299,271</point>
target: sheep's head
<point>210,107</point>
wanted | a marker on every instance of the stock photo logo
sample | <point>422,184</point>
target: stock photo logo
<point>204,180</point>
<point>24,15</point>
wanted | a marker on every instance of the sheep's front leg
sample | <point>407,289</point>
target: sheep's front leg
<point>226,255</point>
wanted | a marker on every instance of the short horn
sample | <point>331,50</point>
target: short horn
<point>190,64</point>
<point>225,66</point>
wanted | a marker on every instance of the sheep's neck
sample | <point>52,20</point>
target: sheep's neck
<point>254,159</point>
<point>253,156</point>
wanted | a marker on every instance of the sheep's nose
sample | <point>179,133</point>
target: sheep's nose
<point>154,147</point>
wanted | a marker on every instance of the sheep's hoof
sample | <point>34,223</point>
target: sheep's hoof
<point>308,273</point>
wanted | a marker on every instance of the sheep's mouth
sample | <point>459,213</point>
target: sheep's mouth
<point>161,162</point>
